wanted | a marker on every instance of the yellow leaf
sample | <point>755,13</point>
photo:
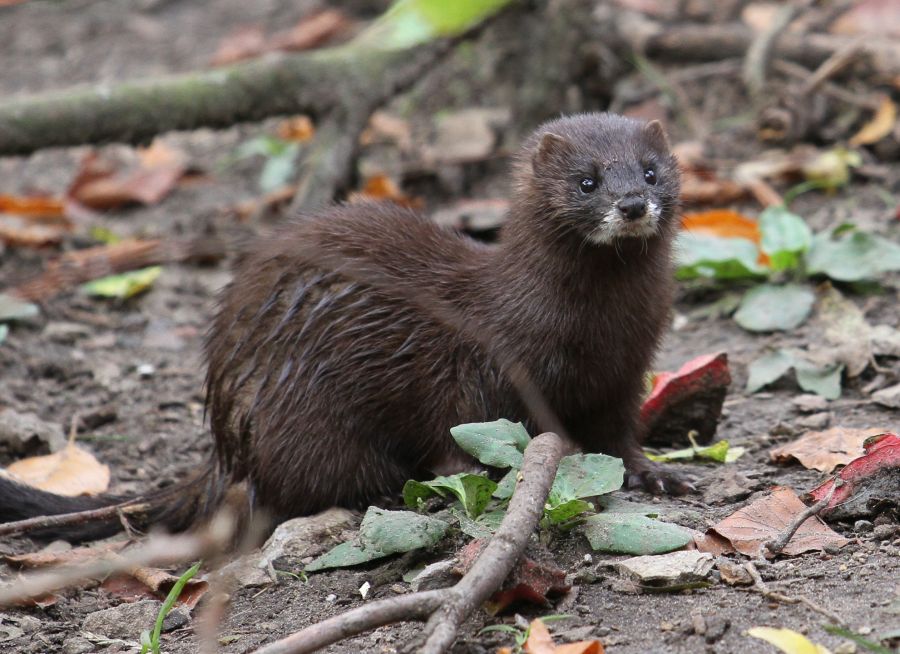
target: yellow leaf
<point>71,471</point>
<point>881,125</point>
<point>788,641</point>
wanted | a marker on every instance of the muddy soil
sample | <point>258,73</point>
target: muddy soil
<point>138,363</point>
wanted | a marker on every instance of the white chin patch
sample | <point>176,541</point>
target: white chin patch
<point>614,226</point>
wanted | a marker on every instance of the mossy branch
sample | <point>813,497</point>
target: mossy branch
<point>134,112</point>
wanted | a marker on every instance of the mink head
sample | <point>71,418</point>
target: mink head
<point>602,177</point>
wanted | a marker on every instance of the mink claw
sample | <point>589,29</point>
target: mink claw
<point>659,482</point>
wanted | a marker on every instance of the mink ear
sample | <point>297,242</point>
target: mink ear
<point>656,135</point>
<point>552,150</point>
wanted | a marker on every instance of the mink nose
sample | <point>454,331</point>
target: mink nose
<point>632,208</point>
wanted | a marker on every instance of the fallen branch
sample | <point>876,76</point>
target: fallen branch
<point>760,586</point>
<point>74,518</point>
<point>759,54</point>
<point>155,551</point>
<point>313,83</point>
<point>448,608</point>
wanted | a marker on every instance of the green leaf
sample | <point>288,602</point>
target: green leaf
<point>473,491</point>
<point>152,640</point>
<point>482,527</point>
<point>14,308</point>
<point>821,380</point>
<point>852,255</point>
<point>498,444</point>
<point>123,286</point>
<point>409,23</point>
<point>381,534</point>
<point>785,236</point>
<point>279,169</point>
<point>585,475</point>
<point>824,380</point>
<point>865,643</point>
<point>718,452</point>
<point>567,510</point>
<point>769,307</point>
<point>615,504</point>
<point>633,533</point>
<point>507,485</point>
<point>702,255</point>
<point>768,368</point>
<point>416,492</point>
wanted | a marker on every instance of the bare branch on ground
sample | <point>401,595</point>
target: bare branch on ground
<point>448,608</point>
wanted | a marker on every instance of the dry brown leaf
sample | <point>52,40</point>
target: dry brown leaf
<point>19,231</point>
<point>44,558</point>
<point>872,17</point>
<point>708,189</point>
<point>385,127</point>
<point>382,187</point>
<point>244,43</point>
<point>747,529</point>
<point>298,128</point>
<point>540,642</point>
<point>312,31</point>
<point>153,583</point>
<point>825,450</point>
<point>71,471</point>
<point>98,185</point>
<point>881,125</point>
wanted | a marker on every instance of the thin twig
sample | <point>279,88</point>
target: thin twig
<point>74,518</point>
<point>157,550</point>
<point>759,54</point>
<point>760,586</point>
<point>776,545</point>
<point>448,608</point>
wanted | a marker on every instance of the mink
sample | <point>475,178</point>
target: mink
<point>353,339</point>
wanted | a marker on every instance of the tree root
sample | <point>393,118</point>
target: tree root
<point>449,607</point>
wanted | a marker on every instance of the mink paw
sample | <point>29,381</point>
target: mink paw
<point>660,482</point>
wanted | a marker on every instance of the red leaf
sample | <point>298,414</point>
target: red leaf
<point>531,580</point>
<point>690,399</point>
<point>882,453</point>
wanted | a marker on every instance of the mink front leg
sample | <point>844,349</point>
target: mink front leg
<point>614,432</point>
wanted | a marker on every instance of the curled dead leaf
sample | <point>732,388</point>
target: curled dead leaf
<point>881,124</point>
<point>825,450</point>
<point>71,471</point>
<point>749,528</point>
<point>541,642</point>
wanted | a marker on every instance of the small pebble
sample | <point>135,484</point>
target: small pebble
<point>145,370</point>
<point>862,526</point>
<point>331,597</point>
<point>884,532</point>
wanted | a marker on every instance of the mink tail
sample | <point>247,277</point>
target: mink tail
<point>176,507</point>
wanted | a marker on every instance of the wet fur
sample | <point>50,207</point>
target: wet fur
<point>349,343</point>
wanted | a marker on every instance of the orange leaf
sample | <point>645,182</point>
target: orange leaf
<point>298,128</point>
<point>723,223</point>
<point>881,125</point>
<point>540,642</point>
<point>40,206</point>
<point>382,187</point>
<point>71,471</point>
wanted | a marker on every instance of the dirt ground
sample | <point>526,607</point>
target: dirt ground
<point>83,356</point>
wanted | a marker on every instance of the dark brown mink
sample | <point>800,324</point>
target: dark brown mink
<point>351,341</point>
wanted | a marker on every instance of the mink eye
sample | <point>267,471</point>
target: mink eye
<point>588,185</point>
<point>650,176</point>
